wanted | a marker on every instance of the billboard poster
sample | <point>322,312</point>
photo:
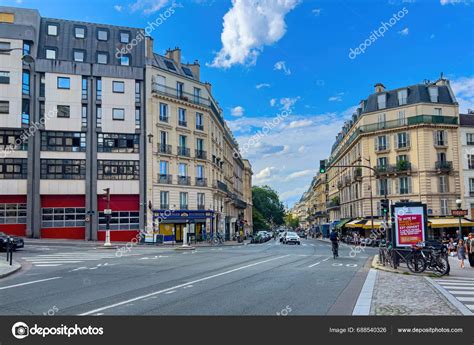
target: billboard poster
<point>410,225</point>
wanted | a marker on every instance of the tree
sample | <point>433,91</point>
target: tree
<point>291,221</point>
<point>268,209</point>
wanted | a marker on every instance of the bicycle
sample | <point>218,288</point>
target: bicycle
<point>335,249</point>
<point>430,257</point>
<point>216,239</point>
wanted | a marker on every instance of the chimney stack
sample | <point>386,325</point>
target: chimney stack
<point>175,55</point>
<point>149,47</point>
<point>196,69</point>
<point>379,87</point>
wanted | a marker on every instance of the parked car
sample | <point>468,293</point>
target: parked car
<point>17,241</point>
<point>291,237</point>
<point>258,238</point>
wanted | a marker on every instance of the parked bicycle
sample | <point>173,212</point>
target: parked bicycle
<point>216,239</point>
<point>431,257</point>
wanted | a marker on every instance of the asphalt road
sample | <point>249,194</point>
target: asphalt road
<point>254,279</point>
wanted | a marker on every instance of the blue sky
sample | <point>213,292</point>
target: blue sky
<point>266,56</point>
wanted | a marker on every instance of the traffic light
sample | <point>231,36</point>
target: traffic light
<point>322,166</point>
<point>384,206</point>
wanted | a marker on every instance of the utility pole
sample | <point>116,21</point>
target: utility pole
<point>108,215</point>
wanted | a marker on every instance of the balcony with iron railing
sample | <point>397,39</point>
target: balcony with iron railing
<point>184,180</point>
<point>201,154</point>
<point>165,178</point>
<point>221,186</point>
<point>444,166</point>
<point>164,148</point>
<point>164,119</point>
<point>183,123</point>
<point>201,207</point>
<point>200,127</point>
<point>400,167</point>
<point>201,181</point>
<point>181,95</point>
<point>164,206</point>
<point>333,204</point>
<point>184,151</point>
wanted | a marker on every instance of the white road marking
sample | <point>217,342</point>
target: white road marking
<point>351,265</point>
<point>28,283</point>
<point>317,263</point>
<point>327,259</point>
<point>79,268</point>
<point>462,293</point>
<point>48,265</point>
<point>470,306</point>
<point>336,264</point>
<point>456,284</point>
<point>170,292</point>
<point>466,299</point>
<point>180,286</point>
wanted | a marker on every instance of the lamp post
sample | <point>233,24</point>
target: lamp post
<point>459,205</point>
<point>27,58</point>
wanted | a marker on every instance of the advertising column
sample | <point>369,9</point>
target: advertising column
<point>410,224</point>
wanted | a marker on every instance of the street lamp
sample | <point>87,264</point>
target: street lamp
<point>25,57</point>
<point>459,205</point>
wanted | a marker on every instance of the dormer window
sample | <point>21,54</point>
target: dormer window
<point>433,90</point>
<point>80,32</point>
<point>53,29</point>
<point>124,37</point>
<point>102,35</point>
<point>402,96</point>
<point>382,101</point>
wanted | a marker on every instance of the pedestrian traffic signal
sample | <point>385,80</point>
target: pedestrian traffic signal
<point>384,206</point>
<point>322,166</point>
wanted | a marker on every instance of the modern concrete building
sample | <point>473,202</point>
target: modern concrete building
<point>73,100</point>
<point>467,160</point>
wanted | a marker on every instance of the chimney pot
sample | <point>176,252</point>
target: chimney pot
<point>379,87</point>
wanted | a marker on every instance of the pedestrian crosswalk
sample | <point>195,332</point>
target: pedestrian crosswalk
<point>59,259</point>
<point>461,288</point>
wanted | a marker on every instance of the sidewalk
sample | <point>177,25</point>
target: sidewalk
<point>6,269</point>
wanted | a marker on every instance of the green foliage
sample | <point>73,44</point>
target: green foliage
<point>291,221</point>
<point>268,210</point>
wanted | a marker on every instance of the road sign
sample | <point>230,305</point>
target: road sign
<point>107,211</point>
<point>459,213</point>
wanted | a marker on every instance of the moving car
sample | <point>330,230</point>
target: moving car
<point>291,237</point>
<point>302,234</point>
<point>282,236</point>
<point>17,241</point>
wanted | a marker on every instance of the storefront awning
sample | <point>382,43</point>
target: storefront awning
<point>356,224</point>
<point>449,222</point>
<point>342,222</point>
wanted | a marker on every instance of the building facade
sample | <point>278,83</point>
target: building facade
<point>73,126</point>
<point>467,160</point>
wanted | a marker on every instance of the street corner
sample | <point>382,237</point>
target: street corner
<point>6,269</point>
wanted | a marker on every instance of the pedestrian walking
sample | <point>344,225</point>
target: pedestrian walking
<point>470,248</point>
<point>462,249</point>
<point>451,247</point>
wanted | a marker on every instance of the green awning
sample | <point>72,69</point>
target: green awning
<point>342,222</point>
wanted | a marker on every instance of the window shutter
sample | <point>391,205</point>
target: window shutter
<point>377,185</point>
<point>395,138</point>
<point>387,137</point>
<point>397,186</point>
<point>409,185</point>
<point>408,139</point>
<point>435,141</point>
<point>389,186</point>
<point>376,143</point>
<point>445,137</point>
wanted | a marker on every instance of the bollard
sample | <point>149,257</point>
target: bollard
<point>11,251</point>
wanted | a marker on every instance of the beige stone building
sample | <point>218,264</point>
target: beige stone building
<point>194,174</point>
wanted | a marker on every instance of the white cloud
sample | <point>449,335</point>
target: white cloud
<point>118,8</point>
<point>404,32</point>
<point>336,98</point>
<point>237,111</point>
<point>299,174</point>
<point>148,6</point>
<point>454,2</point>
<point>286,196</point>
<point>287,102</point>
<point>300,123</point>
<point>262,85</point>
<point>249,26</point>
<point>302,149</point>
<point>273,102</point>
<point>281,66</point>
<point>264,175</point>
<point>463,88</point>
<point>316,12</point>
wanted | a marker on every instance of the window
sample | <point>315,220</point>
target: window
<point>102,34</point>
<point>125,37</point>
<point>383,187</point>
<point>163,138</point>
<point>159,84</point>
<point>99,116</point>
<point>170,65</point>
<point>402,96</point>
<point>64,83</point>
<point>4,107</point>
<point>118,87</point>
<point>138,93</point>
<point>125,60</point>
<point>443,184</point>
<point>187,71</point>
<point>51,53</point>
<point>118,114</point>
<point>199,123</point>
<point>402,121</point>
<point>164,200</point>
<point>121,220</point>
<point>25,89</point>
<point>13,139</point>
<point>197,95</point>
<point>164,168</point>
<point>182,170</point>
<point>13,168</point>
<point>381,143</point>
<point>4,77</point>
<point>402,158</point>
<point>102,58</point>
<point>71,217</point>
<point>27,47</point>
<point>80,32</point>
<point>79,55</point>
<point>382,162</point>
<point>53,29</point>
<point>382,120</point>
<point>99,89</point>
<point>470,161</point>
<point>182,117</point>
<point>444,207</point>
<point>118,143</point>
<point>183,200</point>
<point>471,186</point>
<point>118,170</point>
<point>440,138</point>
<point>12,213</point>
<point>182,140</point>
<point>42,85</point>
<point>5,46</point>
<point>84,87</point>
<point>200,171</point>
<point>63,169</point>
<point>404,184</point>
<point>163,112</point>
<point>64,111</point>
<point>179,89</point>
<point>402,140</point>
<point>470,138</point>
<point>84,116</point>
<point>433,91</point>
<point>138,121</point>
<point>438,111</point>
<point>382,101</point>
<point>63,141</point>
<point>441,156</point>
<point>201,201</point>
<point>7,17</point>
<point>200,144</point>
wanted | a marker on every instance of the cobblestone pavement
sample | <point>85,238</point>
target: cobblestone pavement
<point>399,294</point>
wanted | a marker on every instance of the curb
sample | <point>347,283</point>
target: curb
<point>377,266</point>
<point>458,305</point>
<point>16,269</point>
<point>364,301</point>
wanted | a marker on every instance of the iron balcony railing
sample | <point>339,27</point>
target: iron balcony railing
<point>181,95</point>
<point>201,154</point>
<point>201,207</point>
<point>333,204</point>
<point>164,148</point>
<point>444,165</point>
<point>184,151</point>
<point>393,168</point>
<point>164,118</point>
<point>200,127</point>
<point>201,181</point>
<point>221,186</point>
<point>184,180</point>
<point>183,123</point>
<point>164,206</point>
<point>165,178</point>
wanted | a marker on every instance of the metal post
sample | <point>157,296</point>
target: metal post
<point>107,217</point>
<point>11,251</point>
